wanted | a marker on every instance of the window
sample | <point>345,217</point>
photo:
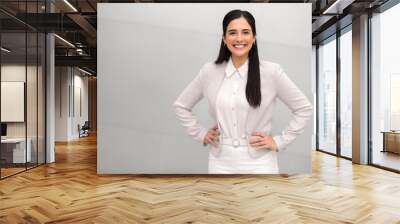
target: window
<point>327,96</point>
<point>346,75</point>
<point>385,88</point>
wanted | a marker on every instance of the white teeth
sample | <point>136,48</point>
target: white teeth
<point>239,45</point>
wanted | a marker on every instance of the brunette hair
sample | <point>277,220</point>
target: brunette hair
<point>253,86</point>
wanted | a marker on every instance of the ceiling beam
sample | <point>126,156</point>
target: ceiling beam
<point>84,24</point>
<point>337,6</point>
<point>84,61</point>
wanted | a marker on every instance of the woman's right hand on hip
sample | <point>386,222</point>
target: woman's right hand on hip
<point>212,136</point>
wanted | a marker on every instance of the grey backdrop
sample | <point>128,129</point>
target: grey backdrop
<point>148,53</point>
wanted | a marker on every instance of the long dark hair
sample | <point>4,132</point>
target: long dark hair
<point>253,90</point>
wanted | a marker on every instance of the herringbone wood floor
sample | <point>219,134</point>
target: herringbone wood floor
<point>70,191</point>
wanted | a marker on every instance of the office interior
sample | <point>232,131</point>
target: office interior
<point>48,79</point>
<point>35,50</point>
<point>46,82</point>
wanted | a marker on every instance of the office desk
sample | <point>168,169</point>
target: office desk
<point>391,141</point>
<point>13,150</point>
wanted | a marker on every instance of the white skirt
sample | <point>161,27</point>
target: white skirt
<point>237,160</point>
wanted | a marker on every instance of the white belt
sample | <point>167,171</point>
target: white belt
<point>234,142</point>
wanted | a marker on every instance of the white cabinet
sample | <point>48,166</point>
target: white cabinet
<point>18,149</point>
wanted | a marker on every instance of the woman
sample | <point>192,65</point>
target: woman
<point>241,93</point>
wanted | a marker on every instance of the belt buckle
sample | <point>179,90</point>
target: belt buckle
<point>235,142</point>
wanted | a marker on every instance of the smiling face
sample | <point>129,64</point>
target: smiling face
<point>239,37</point>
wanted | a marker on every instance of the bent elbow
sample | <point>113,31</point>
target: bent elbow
<point>180,109</point>
<point>309,109</point>
<point>306,111</point>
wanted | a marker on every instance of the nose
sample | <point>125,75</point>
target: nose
<point>239,37</point>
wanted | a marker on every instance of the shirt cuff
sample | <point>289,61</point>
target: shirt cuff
<point>201,136</point>
<point>279,143</point>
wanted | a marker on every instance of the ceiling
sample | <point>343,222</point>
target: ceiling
<point>76,22</point>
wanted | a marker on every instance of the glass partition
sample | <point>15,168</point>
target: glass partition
<point>22,77</point>
<point>13,94</point>
<point>31,100</point>
<point>385,89</point>
<point>327,96</point>
<point>41,87</point>
<point>346,93</point>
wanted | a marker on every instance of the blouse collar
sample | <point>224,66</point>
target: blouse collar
<point>230,69</point>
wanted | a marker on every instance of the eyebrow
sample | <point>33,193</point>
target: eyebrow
<point>236,30</point>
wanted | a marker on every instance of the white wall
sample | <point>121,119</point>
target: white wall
<point>79,117</point>
<point>68,81</point>
<point>148,53</point>
<point>15,72</point>
<point>62,80</point>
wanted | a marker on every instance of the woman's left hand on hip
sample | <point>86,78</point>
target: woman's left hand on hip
<point>259,140</point>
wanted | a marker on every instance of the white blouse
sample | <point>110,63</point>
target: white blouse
<point>275,85</point>
<point>231,105</point>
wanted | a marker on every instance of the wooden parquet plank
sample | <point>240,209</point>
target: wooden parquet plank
<point>70,191</point>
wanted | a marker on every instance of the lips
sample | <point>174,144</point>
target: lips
<point>239,46</point>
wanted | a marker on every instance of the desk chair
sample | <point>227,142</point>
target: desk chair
<point>84,130</point>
